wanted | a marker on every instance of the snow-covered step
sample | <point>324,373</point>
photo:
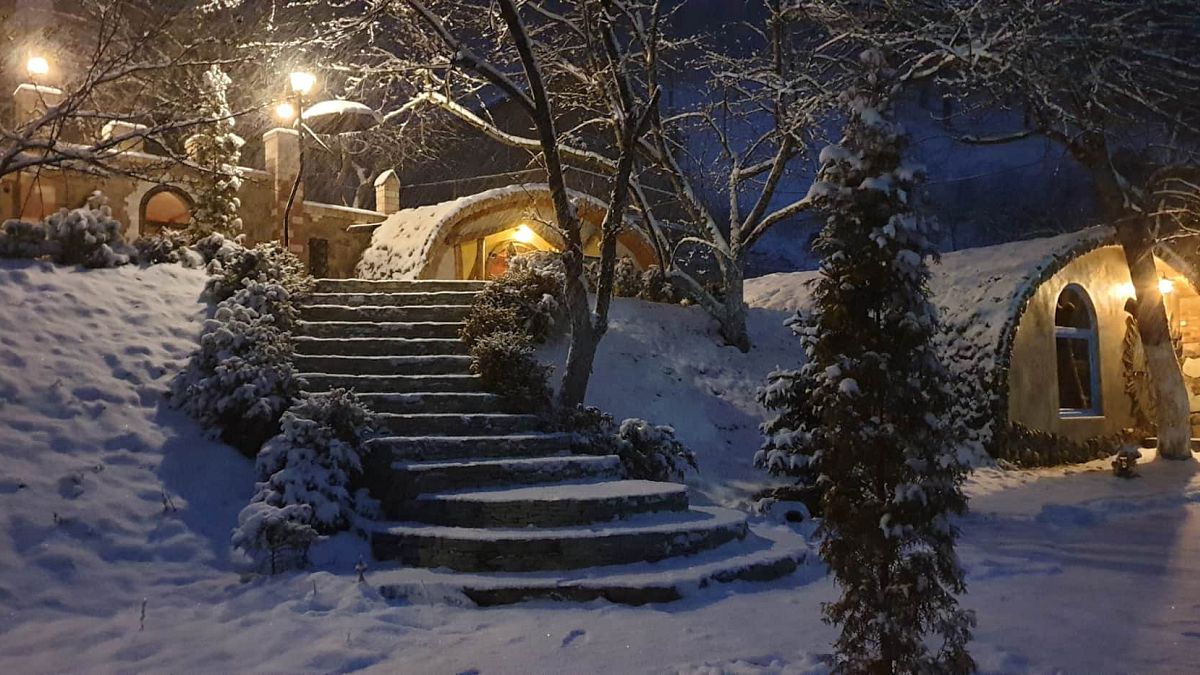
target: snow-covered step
<point>547,505</point>
<point>380,346</point>
<point>452,424</point>
<point>392,383</point>
<point>389,314</point>
<point>383,365</point>
<point>440,402</point>
<point>415,286</point>
<point>443,298</point>
<point>768,553</point>
<point>645,538</point>
<point>380,329</point>
<point>432,448</point>
<point>415,478</point>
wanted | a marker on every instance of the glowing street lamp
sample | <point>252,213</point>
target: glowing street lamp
<point>302,84</point>
<point>285,111</point>
<point>37,66</point>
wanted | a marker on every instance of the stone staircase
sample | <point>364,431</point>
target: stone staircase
<point>487,503</point>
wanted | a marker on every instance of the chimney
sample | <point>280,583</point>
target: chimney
<point>387,192</point>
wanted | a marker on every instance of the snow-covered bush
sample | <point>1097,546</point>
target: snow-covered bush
<point>506,364</point>
<point>219,248</point>
<point>525,300</point>
<point>651,452</point>
<point>241,379</point>
<point>168,246</point>
<point>234,267</point>
<point>647,451</point>
<point>627,281</point>
<point>656,287</point>
<point>277,538</point>
<point>22,239</point>
<point>87,236</point>
<point>306,473</point>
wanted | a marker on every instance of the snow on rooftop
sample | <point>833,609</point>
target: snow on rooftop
<point>979,290</point>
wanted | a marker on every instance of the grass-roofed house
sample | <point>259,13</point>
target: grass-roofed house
<point>1041,327</point>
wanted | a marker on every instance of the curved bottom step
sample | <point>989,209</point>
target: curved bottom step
<point>770,552</point>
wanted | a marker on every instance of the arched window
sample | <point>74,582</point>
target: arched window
<point>165,207</point>
<point>1078,355</point>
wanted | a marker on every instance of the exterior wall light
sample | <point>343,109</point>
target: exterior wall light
<point>524,234</point>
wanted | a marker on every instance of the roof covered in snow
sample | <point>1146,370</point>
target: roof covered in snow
<point>980,292</point>
<point>405,244</point>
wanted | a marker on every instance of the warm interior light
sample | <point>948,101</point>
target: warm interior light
<point>1165,286</point>
<point>524,234</point>
<point>285,111</point>
<point>37,65</point>
<point>302,82</point>
<point>1124,290</point>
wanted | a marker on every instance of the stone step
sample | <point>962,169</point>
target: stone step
<point>546,505</point>
<point>450,424</point>
<point>416,478</point>
<point>383,329</point>
<point>333,346</point>
<point>434,448</point>
<point>442,298</point>
<point>398,384</point>
<point>383,365</point>
<point>385,314</point>
<point>769,552</point>
<point>396,286</point>
<point>648,537</point>
<point>434,402</point>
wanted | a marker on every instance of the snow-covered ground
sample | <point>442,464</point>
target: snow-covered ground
<point>1069,570</point>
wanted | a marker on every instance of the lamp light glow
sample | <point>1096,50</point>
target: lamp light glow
<point>302,82</point>
<point>285,111</point>
<point>1165,286</point>
<point>524,234</point>
<point>37,65</point>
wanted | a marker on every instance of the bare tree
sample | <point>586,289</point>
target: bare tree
<point>561,64</point>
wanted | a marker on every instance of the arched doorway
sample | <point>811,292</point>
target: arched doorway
<point>164,207</point>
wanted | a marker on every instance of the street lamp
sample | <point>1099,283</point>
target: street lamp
<point>285,112</point>
<point>37,66</point>
<point>302,84</point>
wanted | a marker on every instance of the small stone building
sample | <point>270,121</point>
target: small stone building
<point>1043,324</point>
<point>473,237</point>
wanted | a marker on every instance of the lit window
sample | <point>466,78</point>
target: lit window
<point>1078,359</point>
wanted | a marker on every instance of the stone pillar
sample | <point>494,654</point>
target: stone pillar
<point>387,192</point>
<point>282,150</point>
<point>30,101</point>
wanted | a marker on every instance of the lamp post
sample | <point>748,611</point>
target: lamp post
<point>301,84</point>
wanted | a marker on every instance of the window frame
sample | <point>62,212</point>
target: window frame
<point>1089,335</point>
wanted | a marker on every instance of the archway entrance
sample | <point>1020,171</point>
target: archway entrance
<point>165,208</point>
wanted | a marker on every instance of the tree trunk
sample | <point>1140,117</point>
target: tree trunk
<point>733,317</point>
<point>582,350</point>
<point>1166,377</point>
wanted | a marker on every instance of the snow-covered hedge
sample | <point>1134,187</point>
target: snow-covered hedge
<point>307,475</point>
<point>87,236</point>
<point>234,267</point>
<point>241,379</point>
<point>512,314</point>
<point>1021,446</point>
<point>647,451</point>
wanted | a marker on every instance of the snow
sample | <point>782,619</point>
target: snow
<point>1069,569</point>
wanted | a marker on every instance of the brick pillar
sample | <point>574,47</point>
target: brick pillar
<point>282,150</point>
<point>387,192</point>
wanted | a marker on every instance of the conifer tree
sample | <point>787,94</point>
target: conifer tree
<point>865,417</point>
<point>217,150</point>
